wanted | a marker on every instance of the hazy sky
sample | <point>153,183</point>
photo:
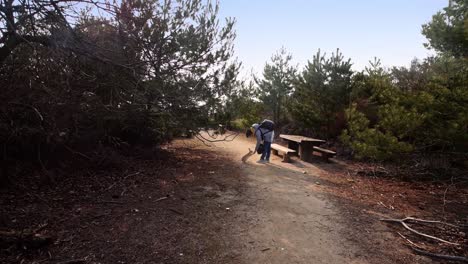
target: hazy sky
<point>362,29</point>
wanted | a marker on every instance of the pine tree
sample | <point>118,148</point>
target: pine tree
<point>322,92</point>
<point>277,83</point>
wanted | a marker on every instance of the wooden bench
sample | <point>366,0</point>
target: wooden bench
<point>325,153</point>
<point>303,145</point>
<point>284,151</point>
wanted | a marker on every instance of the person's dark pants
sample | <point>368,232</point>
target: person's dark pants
<point>266,151</point>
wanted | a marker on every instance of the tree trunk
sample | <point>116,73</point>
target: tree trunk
<point>278,112</point>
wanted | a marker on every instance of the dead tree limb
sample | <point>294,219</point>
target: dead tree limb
<point>417,249</point>
<point>440,256</point>
<point>202,141</point>
<point>429,221</point>
<point>403,223</point>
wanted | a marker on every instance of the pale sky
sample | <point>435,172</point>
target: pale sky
<point>362,29</point>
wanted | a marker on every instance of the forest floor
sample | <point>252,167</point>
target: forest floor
<point>194,203</point>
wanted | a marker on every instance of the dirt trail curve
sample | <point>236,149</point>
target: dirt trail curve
<point>288,221</point>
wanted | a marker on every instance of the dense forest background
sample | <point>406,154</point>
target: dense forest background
<point>376,114</point>
<point>82,79</point>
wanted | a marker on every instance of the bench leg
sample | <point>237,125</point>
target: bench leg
<point>305,152</point>
<point>274,151</point>
<point>286,157</point>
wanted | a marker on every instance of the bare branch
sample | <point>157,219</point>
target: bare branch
<point>420,251</point>
<point>226,139</point>
<point>434,255</point>
<point>403,223</point>
<point>39,115</point>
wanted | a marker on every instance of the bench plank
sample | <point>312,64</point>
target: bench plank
<point>300,139</point>
<point>325,150</point>
<point>326,153</point>
<point>284,150</point>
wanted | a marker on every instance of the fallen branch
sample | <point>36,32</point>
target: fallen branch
<point>175,211</point>
<point>426,221</point>
<point>434,255</point>
<point>133,174</point>
<point>214,136</point>
<point>418,250</point>
<point>402,222</point>
<point>77,153</point>
<point>204,143</point>
<point>162,198</point>
<point>73,261</point>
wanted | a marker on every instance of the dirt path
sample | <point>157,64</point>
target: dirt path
<point>290,222</point>
<point>283,217</point>
<point>200,204</point>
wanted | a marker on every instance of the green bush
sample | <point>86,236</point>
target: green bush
<point>368,142</point>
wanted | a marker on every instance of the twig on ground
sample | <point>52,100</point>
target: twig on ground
<point>133,174</point>
<point>73,261</point>
<point>77,153</point>
<point>110,202</point>
<point>162,198</point>
<point>175,211</point>
<point>388,207</point>
<point>403,223</point>
<point>40,228</point>
<point>409,241</point>
<point>123,179</point>
<point>112,185</point>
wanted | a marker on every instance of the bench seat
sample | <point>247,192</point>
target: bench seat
<point>326,153</point>
<point>286,152</point>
